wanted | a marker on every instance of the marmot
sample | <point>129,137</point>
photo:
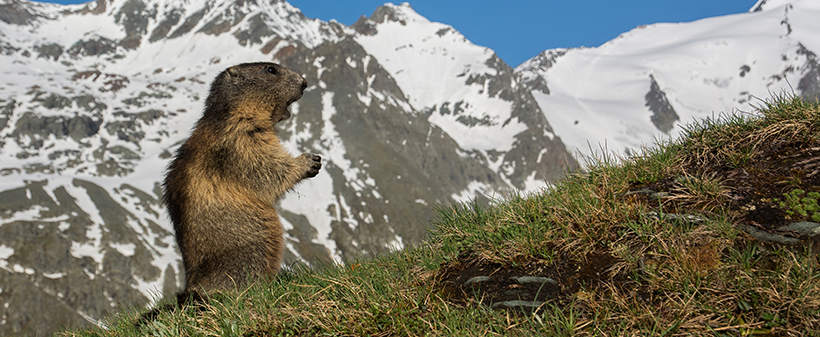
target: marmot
<point>223,183</point>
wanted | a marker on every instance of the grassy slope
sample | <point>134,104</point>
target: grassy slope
<point>622,259</point>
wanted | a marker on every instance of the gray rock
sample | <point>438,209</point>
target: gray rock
<point>190,23</point>
<point>144,98</point>
<point>744,69</point>
<point>8,49</point>
<point>518,305</point>
<point>16,13</point>
<point>803,228</point>
<point>385,13</point>
<point>365,26</point>
<point>476,279</point>
<point>533,279</point>
<point>664,116</point>
<point>134,16</point>
<point>93,47</point>
<point>82,127</point>
<point>304,237</point>
<point>226,20</point>
<point>170,20</point>
<point>809,84</point>
<point>6,112</point>
<point>766,236</point>
<point>530,71</point>
<point>32,125</point>
<point>256,30</point>
<point>49,51</point>
<point>89,103</point>
<point>52,101</point>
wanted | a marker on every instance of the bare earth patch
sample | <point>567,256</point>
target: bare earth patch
<point>528,285</point>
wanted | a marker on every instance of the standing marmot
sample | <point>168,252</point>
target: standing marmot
<point>222,186</point>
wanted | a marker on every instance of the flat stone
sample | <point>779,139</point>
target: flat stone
<point>806,228</point>
<point>533,279</point>
<point>518,304</point>
<point>766,236</point>
<point>517,292</point>
<point>476,279</point>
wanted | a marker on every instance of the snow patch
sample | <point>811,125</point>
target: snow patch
<point>126,249</point>
<point>53,276</point>
<point>432,63</point>
<point>5,253</point>
<point>26,215</point>
<point>473,189</point>
<point>598,99</point>
<point>396,244</point>
<point>532,185</point>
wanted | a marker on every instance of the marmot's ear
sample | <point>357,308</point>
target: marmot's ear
<point>232,71</point>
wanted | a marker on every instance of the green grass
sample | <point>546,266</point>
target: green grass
<point>626,263</point>
<point>795,202</point>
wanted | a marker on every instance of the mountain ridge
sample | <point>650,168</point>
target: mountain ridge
<point>598,98</point>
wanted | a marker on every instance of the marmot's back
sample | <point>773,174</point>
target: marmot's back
<point>225,179</point>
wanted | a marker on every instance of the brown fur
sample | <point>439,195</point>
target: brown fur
<point>222,186</point>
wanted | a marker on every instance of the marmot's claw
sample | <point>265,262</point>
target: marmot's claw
<point>314,165</point>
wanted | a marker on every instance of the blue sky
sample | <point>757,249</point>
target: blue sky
<point>520,29</point>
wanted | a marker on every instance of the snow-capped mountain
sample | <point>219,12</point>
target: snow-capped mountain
<point>95,98</point>
<point>642,85</point>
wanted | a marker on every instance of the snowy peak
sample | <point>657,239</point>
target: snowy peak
<point>530,71</point>
<point>641,86</point>
<point>464,89</point>
<point>766,5</point>
<point>416,43</point>
<point>401,14</point>
<point>761,4</point>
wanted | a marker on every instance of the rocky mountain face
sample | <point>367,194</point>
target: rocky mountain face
<point>642,85</point>
<point>95,99</point>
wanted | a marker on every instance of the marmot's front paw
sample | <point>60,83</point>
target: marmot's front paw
<point>314,164</point>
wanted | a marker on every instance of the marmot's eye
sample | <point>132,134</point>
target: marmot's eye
<point>272,70</point>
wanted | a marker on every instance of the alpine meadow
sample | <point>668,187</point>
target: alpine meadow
<point>663,183</point>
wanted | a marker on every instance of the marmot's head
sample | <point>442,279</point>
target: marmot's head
<point>260,90</point>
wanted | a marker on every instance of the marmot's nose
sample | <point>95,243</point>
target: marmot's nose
<point>304,84</point>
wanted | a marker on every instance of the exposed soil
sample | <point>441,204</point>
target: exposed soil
<point>503,284</point>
